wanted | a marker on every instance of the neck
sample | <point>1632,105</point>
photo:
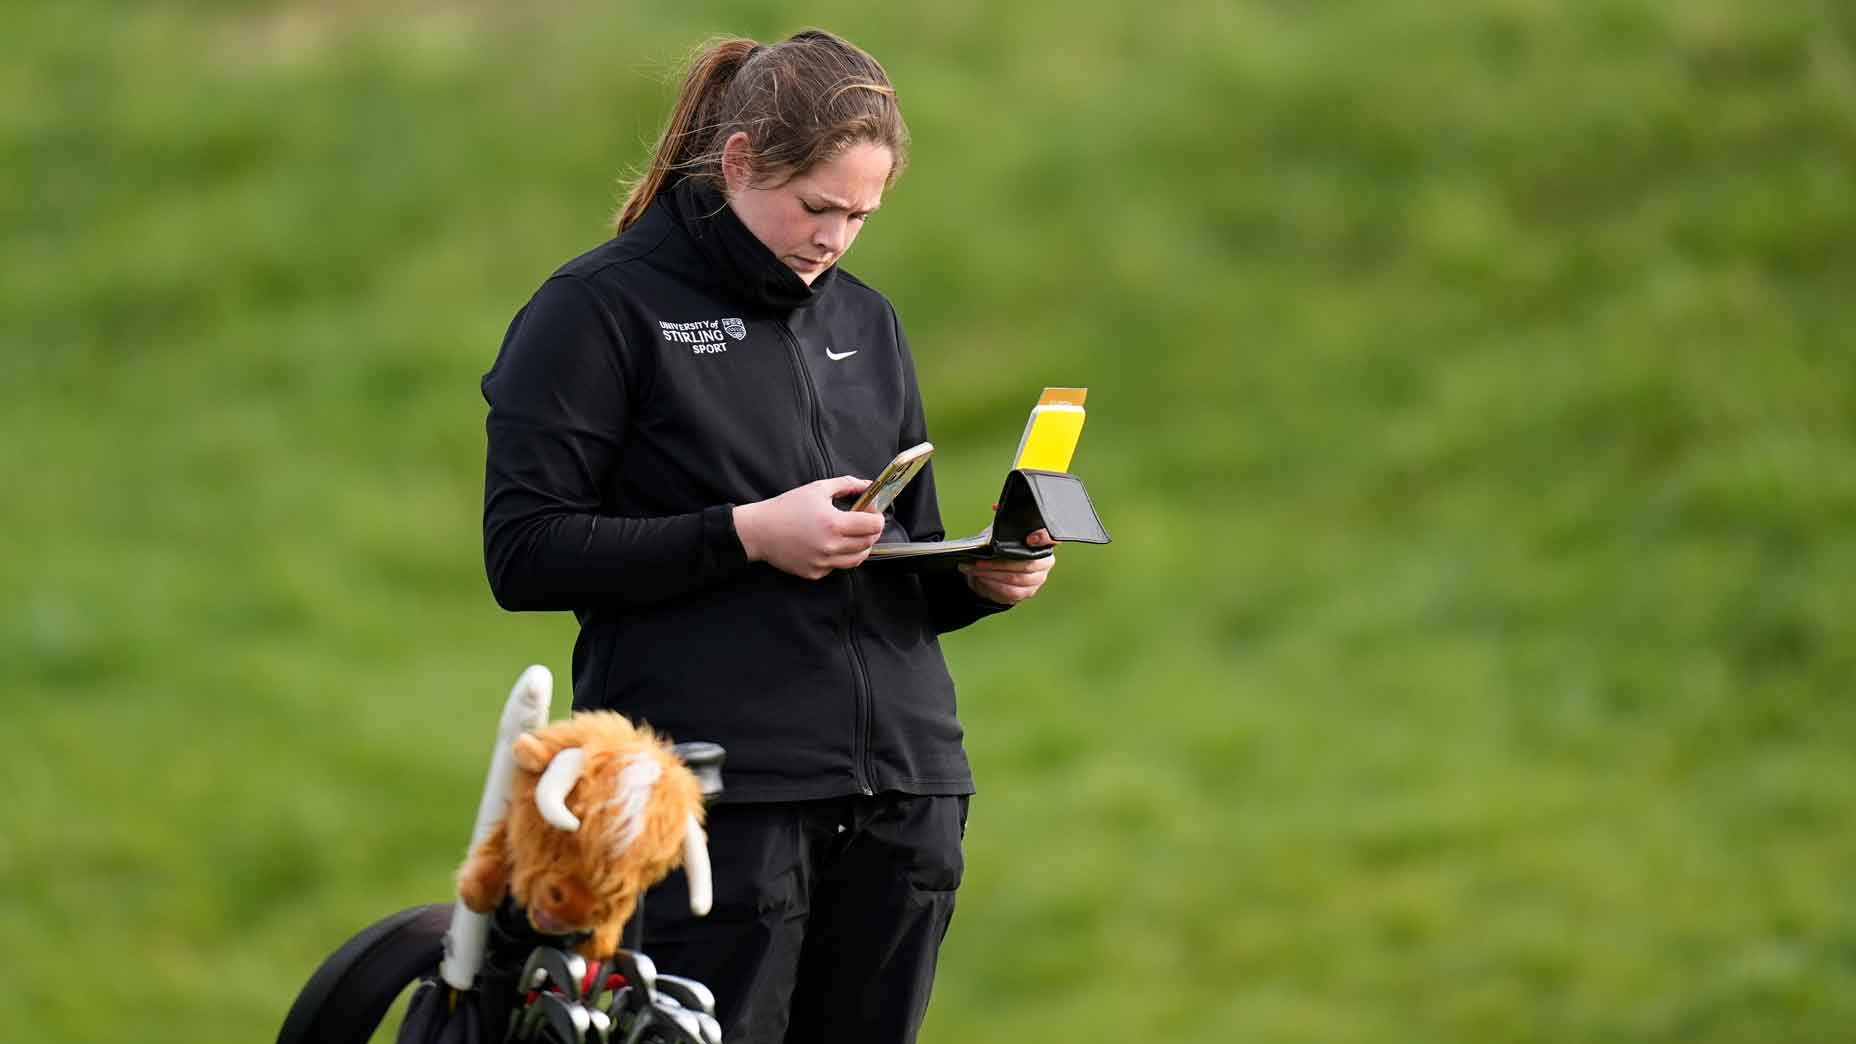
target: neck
<point>739,260</point>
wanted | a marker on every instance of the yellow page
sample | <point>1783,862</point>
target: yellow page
<point>1051,437</point>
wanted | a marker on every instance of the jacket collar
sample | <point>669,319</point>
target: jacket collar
<point>736,259</point>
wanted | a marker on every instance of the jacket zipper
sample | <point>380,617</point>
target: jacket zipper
<point>861,769</point>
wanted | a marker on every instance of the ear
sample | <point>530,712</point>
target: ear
<point>529,753</point>
<point>737,162</point>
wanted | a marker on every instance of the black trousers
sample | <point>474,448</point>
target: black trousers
<point>827,918</point>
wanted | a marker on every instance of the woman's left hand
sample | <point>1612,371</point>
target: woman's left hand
<point>1011,581</point>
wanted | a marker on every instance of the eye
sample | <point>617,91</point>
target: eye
<point>810,209</point>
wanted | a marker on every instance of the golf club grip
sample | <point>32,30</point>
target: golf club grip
<point>705,760</point>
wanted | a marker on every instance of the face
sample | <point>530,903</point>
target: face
<point>560,904</point>
<point>810,221</point>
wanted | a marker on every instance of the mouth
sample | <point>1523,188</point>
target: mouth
<point>547,925</point>
<point>806,264</point>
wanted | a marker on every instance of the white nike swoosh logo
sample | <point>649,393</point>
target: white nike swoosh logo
<point>835,356</point>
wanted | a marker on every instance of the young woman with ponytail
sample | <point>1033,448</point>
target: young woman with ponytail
<point>673,418</point>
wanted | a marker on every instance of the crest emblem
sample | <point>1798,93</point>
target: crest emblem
<point>735,328</point>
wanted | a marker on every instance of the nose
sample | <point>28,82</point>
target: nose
<point>832,236</point>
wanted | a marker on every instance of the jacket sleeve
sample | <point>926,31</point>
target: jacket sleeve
<point>559,409</point>
<point>951,603</point>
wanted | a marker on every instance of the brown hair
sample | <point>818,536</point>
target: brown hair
<point>801,102</point>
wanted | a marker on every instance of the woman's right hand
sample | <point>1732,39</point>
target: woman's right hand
<point>803,533</point>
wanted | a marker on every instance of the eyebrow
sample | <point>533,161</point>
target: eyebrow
<point>833,201</point>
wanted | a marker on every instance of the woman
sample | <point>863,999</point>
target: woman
<point>672,417</point>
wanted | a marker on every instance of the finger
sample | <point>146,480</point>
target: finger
<point>847,561</point>
<point>1040,538</point>
<point>1003,568</point>
<point>1032,576</point>
<point>1001,594</point>
<point>1005,581</point>
<point>1000,567</point>
<point>857,524</point>
<point>843,486</point>
<point>1014,582</point>
<point>853,546</point>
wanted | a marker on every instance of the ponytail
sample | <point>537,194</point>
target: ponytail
<point>686,137</point>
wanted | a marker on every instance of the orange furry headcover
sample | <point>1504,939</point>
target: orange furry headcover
<point>599,811</point>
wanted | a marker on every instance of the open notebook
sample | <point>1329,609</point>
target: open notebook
<point>1039,493</point>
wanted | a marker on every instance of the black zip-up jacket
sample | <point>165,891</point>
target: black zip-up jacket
<point>648,387</point>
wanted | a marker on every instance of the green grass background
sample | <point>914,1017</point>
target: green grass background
<point>1473,404</point>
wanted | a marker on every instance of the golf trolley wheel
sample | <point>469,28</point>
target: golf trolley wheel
<point>349,994</point>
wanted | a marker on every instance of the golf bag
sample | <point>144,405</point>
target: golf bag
<point>493,977</point>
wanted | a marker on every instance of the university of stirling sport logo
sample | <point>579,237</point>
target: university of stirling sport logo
<point>705,336</point>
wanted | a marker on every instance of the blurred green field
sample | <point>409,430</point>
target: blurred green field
<point>1473,404</point>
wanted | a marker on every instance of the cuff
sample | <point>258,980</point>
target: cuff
<point>721,553</point>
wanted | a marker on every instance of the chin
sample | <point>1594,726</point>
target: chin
<point>807,275</point>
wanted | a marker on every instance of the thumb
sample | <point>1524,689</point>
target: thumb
<point>844,485</point>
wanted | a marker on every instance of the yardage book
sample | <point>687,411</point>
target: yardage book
<point>1039,493</point>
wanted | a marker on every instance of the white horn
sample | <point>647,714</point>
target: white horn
<point>696,867</point>
<point>551,789</point>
